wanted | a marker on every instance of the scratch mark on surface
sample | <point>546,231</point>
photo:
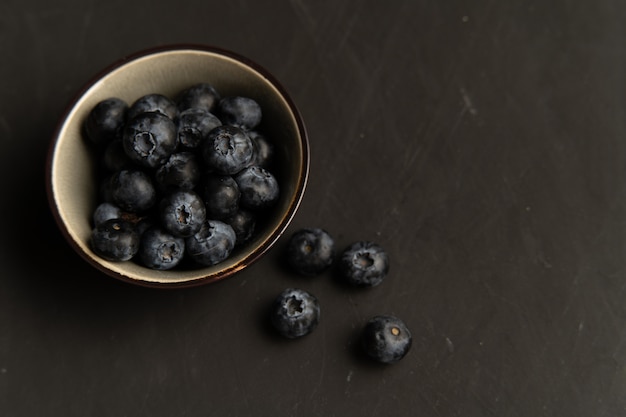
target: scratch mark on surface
<point>449,345</point>
<point>505,300</point>
<point>467,101</point>
<point>349,377</point>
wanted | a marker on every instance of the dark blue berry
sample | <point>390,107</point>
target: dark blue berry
<point>143,223</point>
<point>221,196</point>
<point>386,339</point>
<point>114,157</point>
<point>194,126</point>
<point>105,121</point>
<point>295,313</point>
<point>149,139</point>
<point>132,190</point>
<point>227,150</point>
<point>243,112</point>
<point>310,251</point>
<point>243,223</point>
<point>115,240</point>
<point>150,103</point>
<point>160,250</point>
<point>181,171</point>
<point>106,211</point>
<point>199,96</point>
<point>182,213</point>
<point>212,244</point>
<point>263,150</point>
<point>259,188</point>
<point>364,264</point>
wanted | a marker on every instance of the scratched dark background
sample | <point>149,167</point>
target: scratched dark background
<point>482,143</point>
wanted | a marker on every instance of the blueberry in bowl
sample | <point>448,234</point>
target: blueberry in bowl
<point>150,139</point>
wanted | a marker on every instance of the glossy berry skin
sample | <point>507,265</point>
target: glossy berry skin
<point>212,244</point>
<point>227,150</point>
<point>106,211</point>
<point>310,251</point>
<point>194,126</point>
<point>243,112</point>
<point>243,223</point>
<point>180,172</point>
<point>295,313</point>
<point>263,150</point>
<point>221,196</point>
<point>386,339</point>
<point>151,103</point>
<point>115,240</point>
<point>160,250</point>
<point>182,213</point>
<point>132,190</point>
<point>364,264</point>
<point>105,121</point>
<point>259,188</point>
<point>149,139</point>
<point>199,96</point>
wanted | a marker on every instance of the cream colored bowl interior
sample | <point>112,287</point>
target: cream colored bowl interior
<point>72,183</point>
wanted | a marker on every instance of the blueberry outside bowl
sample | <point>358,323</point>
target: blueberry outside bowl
<point>71,178</point>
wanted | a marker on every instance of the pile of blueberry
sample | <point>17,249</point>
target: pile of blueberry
<point>296,312</point>
<point>183,180</point>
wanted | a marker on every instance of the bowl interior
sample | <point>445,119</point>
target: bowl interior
<point>72,184</point>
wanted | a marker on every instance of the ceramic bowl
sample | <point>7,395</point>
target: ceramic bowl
<point>71,175</point>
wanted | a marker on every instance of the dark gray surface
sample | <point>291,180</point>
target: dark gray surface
<point>482,143</point>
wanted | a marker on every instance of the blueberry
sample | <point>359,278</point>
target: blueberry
<point>364,264</point>
<point>160,250</point>
<point>154,102</point>
<point>295,313</point>
<point>132,190</point>
<point>310,251</point>
<point>114,157</point>
<point>259,188</point>
<point>182,213</point>
<point>243,112</point>
<point>212,244</point>
<point>227,150</point>
<point>104,122</point>
<point>115,240</point>
<point>198,96</point>
<point>221,196</point>
<point>106,211</point>
<point>194,126</point>
<point>386,339</point>
<point>243,223</point>
<point>181,171</point>
<point>263,150</point>
<point>143,223</point>
<point>149,139</point>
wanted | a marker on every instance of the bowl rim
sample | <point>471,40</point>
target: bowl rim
<point>255,254</point>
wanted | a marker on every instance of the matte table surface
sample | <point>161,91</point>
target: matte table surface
<point>482,143</point>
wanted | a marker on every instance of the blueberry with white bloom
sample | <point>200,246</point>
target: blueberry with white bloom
<point>386,339</point>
